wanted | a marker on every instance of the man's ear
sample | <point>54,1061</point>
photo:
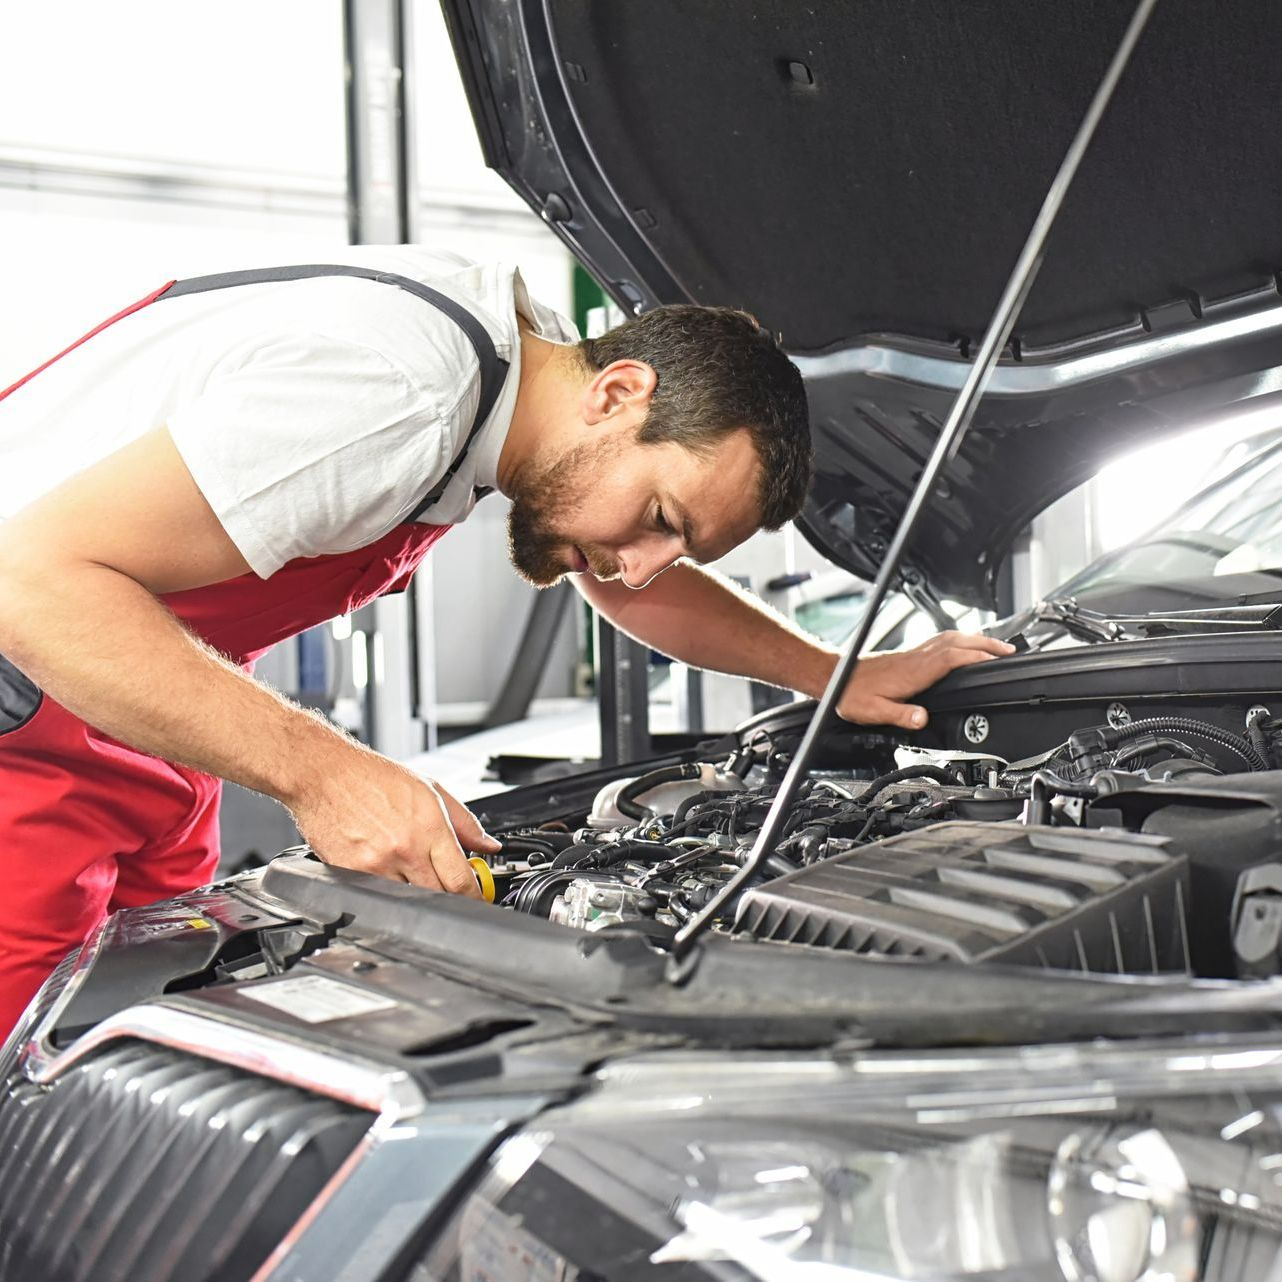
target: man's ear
<point>621,389</point>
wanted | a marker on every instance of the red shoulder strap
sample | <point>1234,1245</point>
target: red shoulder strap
<point>129,311</point>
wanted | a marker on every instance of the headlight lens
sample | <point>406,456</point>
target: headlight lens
<point>1015,1181</point>
<point>1120,1207</point>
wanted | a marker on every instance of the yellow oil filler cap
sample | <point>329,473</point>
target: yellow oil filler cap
<point>484,877</point>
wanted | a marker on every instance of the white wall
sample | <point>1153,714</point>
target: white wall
<point>145,140</point>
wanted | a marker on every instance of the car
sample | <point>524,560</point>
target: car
<point>1004,1002</point>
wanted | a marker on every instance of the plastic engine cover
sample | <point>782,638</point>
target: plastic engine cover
<point>1106,902</point>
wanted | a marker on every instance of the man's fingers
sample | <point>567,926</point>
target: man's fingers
<point>990,645</point>
<point>882,680</point>
<point>420,872</point>
<point>389,822</point>
<point>949,660</point>
<point>886,712</point>
<point>444,849</point>
<point>455,873</point>
<point>966,641</point>
<point>943,641</point>
<point>466,826</point>
<point>441,865</point>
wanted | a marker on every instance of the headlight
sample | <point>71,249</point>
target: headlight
<point>1063,1165</point>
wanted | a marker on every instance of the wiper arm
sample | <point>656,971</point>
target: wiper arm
<point>1090,625</point>
<point>1086,625</point>
<point>1224,618</point>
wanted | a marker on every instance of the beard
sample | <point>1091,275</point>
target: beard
<point>552,492</point>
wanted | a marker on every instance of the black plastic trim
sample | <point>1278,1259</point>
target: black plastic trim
<point>20,698</point>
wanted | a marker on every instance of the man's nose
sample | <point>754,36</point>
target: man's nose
<point>640,563</point>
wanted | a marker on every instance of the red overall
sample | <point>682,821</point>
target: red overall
<point>88,825</point>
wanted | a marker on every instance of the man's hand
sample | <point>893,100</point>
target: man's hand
<point>876,693</point>
<point>696,616</point>
<point>366,812</point>
<point>80,570</point>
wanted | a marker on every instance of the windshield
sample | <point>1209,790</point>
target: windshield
<point>1232,527</point>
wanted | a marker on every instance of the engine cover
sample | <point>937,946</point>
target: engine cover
<point>1099,902</point>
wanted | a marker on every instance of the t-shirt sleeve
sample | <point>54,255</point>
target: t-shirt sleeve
<point>307,445</point>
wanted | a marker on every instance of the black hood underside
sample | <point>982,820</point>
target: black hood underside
<point>860,174</point>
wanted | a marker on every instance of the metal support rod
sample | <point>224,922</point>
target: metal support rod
<point>950,437</point>
<point>378,205</point>
<point>623,696</point>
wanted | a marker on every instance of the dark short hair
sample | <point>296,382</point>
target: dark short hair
<point>718,370</point>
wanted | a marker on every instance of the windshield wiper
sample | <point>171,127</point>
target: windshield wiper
<point>1086,625</point>
<point>1090,625</point>
<point>1266,617</point>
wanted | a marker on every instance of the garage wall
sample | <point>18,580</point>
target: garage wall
<point>147,140</point>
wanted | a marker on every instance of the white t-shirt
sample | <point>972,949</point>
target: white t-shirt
<point>314,415</point>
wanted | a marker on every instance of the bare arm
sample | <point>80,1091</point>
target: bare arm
<point>79,573</point>
<point>700,618</point>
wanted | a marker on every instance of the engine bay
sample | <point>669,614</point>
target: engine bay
<point>1103,854</point>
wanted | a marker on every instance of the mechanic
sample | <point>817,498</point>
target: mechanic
<point>235,459</point>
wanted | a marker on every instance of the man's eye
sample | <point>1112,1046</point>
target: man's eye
<point>662,521</point>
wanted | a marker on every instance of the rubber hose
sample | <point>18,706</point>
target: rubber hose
<point>573,855</point>
<point>627,802</point>
<point>899,776</point>
<point>514,847</point>
<point>697,799</point>
<point>1046,783</point>
<point>1199,729</point>
<point>780,865</point>
<point>1157,741</point>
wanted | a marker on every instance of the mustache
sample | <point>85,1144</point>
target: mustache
<point>602,567</point>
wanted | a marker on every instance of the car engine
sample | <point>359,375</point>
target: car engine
<point>899,851</point>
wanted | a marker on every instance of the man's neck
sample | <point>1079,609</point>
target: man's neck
<point>542,399</point>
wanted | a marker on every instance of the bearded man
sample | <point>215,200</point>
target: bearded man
<point>235,459</point>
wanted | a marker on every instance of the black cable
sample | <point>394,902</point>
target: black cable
<point>1198,729</point>
<point>1255,732</point>
<point>869,823</point>
<point>900,776</point>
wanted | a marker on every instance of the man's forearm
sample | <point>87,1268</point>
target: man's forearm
<point>110,652</point>
<point>698,617</point>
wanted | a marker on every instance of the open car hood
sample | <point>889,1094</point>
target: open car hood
<point>861,177</point>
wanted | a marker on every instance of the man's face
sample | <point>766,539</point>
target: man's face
<point>623,510</point>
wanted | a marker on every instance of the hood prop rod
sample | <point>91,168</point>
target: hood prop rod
<point>950,438</point>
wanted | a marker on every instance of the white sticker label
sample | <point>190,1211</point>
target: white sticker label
<point>316,999</point>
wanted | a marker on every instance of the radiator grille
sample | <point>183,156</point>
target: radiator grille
<point>143,1164</point>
